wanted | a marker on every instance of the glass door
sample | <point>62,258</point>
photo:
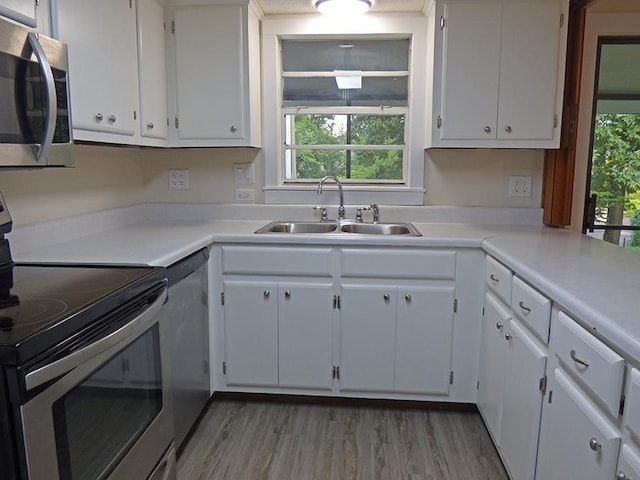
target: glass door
<point>612,209</point>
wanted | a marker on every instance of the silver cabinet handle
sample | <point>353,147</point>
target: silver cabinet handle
<point>233,129</point>
<point>578,360</point>
<point>408,298</point>
<point>52,102</point>
<point>112,119</point>
<point>493,278</point>
<point>524,307</point>
<point>287,294</point>
<point>267,294</point>
<point>508,129</point>
<point>386,297</point>
<point>594,444</point>
<point>150,125</point>
<point>487,129</point>
<point>621,476</point>
<point>499,326</point>
<point>99,117</point>
<point>508,336</point>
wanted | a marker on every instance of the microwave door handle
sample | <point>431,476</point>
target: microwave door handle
<point>52,103</point>
<point>64,365</point>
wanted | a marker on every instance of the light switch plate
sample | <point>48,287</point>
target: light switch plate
<point>243,173</point>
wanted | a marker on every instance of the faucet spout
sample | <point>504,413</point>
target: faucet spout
<point>341,210</point>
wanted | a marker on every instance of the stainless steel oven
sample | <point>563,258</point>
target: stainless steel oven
<point>84,372</point>
<point>35,123</point>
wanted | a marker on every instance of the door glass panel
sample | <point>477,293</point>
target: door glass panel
<point>98,421</point>
<point>613,213</point>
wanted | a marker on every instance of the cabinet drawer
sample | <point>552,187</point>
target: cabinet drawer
<point>598,367</point>
<point>498,278</point>
<point>399,263</point>
<point>533,308</point>
<point>315,262</point>
<point>633,404</point>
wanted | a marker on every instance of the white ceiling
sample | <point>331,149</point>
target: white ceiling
<point>280,7</point>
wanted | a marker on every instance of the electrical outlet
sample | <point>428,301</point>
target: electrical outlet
<point>243,195</point>
<point>520,185</point>
<point>179,179</point>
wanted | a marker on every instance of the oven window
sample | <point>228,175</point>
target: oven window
<point>98,421</point>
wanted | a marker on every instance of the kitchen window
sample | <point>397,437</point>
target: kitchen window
<point>340,100</point>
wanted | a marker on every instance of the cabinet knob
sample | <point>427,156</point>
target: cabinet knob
<point>233,129</point>
<point>487,129</point>
<point>508,129</point>
<point>267,294</point>
<point>508,336</point>
<point>621,476</point>
<point>287,294</point>
<point>594,444</point>
<point>408,298</point>
<point>112,119</point>
<point>386,297</point>
<point>150,125</point>
<point>99,117</point>
<point>499,326</point>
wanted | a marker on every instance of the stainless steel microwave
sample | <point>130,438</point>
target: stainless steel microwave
<point>35,115</point>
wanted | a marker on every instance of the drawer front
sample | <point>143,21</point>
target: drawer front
<point>628,465</point>
<point>633,405</point>
<point>598,367</point>
<point>399,263</point>
<point>532,308</point>
<point>317,262</point>
<point>498,278</point>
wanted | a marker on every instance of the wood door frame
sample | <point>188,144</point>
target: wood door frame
<point>558,173</point>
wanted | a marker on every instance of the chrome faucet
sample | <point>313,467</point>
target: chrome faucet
<point>335,179</point>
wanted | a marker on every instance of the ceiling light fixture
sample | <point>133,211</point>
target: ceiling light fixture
<point>343,7</point>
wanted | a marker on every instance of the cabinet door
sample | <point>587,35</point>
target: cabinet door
<point>152,70</point>
<point>521,402</point>
<point>305,333</point>
<point>424,336</point>
<point>103,63</point>
<point>628,464</point>
<point>251,332</point>
<point>575,440</point>
<point>210,79</point>
<point>492,364</point>
<point>470,71</point>
<point>367,337</point>
<point>528,70</point>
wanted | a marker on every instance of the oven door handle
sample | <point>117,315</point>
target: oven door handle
<point>64,365</point>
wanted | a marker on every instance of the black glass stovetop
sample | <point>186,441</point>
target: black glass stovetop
<point>41,305</point>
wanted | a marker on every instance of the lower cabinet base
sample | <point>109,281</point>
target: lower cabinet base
<point>346,401</point>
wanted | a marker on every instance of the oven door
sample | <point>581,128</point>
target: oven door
<point>106,413</point>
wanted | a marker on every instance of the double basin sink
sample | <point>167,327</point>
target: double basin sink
<point>342,227</point>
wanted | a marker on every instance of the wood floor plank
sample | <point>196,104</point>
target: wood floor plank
<point>238,440</point>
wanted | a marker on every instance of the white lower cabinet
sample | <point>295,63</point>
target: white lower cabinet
<point>511,388</point>
<point>628,464</point>
<point>576,440</point>
<point>278,333</point>
<point>396,339</point>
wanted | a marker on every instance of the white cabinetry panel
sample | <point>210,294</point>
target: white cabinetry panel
<point>628,464</point>
<point>575,441</point>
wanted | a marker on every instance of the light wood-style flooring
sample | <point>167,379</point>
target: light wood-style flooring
<point>238,440</point>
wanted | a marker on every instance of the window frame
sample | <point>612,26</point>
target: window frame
<point>372,26</point>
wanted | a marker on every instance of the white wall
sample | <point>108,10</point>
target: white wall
<point>111,177</point>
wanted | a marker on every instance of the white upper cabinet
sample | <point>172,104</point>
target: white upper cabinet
<point>216,62</point>
<point>498,73</point>
<point>152,70</point>
<point>103,67</point>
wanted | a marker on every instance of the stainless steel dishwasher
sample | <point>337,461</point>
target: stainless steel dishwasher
<point>186,314</point>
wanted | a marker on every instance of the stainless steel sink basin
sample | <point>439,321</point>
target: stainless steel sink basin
<point>380,229</point>
<point>298,227</point>
<point>343,228</point>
